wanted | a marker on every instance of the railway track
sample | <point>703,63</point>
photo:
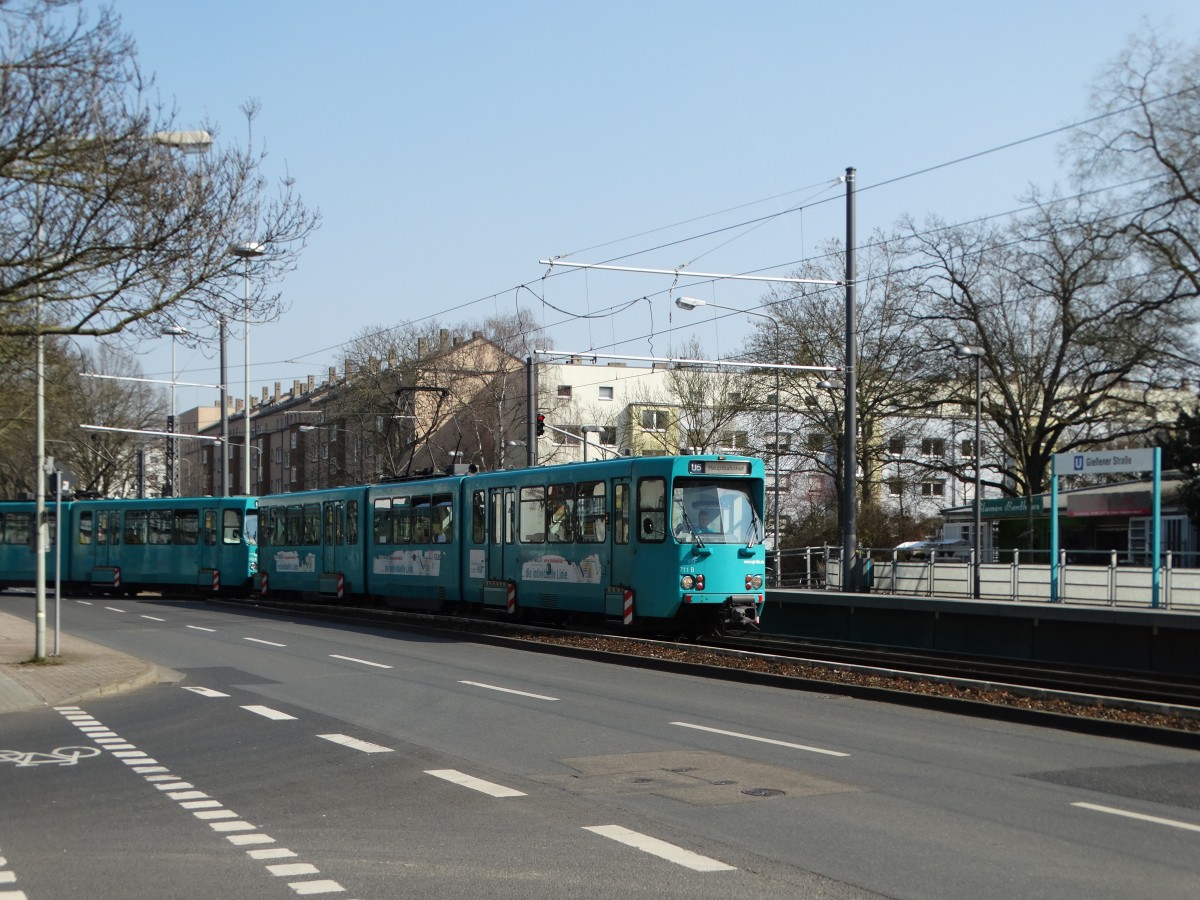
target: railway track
<point>1114,703</point>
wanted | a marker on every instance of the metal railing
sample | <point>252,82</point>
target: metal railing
<point>1098,578</point>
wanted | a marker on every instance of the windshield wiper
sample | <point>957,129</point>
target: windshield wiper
<point>692,529</point>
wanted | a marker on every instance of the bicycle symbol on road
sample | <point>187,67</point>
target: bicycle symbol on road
<point>62,756</point>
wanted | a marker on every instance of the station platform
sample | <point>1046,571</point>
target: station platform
<point>1165,642</point>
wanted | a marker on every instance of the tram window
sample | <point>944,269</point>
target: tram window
<point>652,509</point>
<point>250,531</point>
<point>352,522</point>
<point>187,526</point>
<point>443,519</point>
<point>590,512</point>
<point>478,518</point>
<point>560,513</point>
<point>421,529</point>
<point>383,519</point>
<point>402,521</point>
<point>295,526</point>
<point>312,524</point>
<point>161,523</point>
<point>210,527</point>
<point>102,528</point>
<point>135,526</point>
<point>533,515</point>
<point>329,524</point>
<point>279,530</point>
<point>114,527</point>
<point>85,528</point>
<point>621,514</point>
<point>231,526</point>
<point>18,528</point>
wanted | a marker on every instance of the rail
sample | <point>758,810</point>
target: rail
<point>1106,578</point>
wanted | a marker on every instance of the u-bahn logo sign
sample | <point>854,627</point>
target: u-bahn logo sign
<point>1103,462</point>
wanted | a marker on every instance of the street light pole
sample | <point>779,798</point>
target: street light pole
<point>850,373</point>
<point>689,304</point>
<point>964,351</point>
<point>172,471</point>
<point>246,251</point>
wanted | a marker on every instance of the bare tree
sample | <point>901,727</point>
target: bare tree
<point>104,226</point>
<point>1075,331</point>
<point>1147,135</point>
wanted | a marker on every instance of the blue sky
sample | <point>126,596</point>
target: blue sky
<point>450,146</point>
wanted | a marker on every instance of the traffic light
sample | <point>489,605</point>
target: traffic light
<point>541,424</point>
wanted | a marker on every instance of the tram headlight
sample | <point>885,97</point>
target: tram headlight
<point>687,582</point>
<point>753,582</point>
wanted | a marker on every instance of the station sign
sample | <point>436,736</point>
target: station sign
<point>717,467</point>
<point>1012,506</point>
<point>1104,462</point>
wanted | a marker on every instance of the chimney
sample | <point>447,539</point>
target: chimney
<point>264,399</point>
<point>444,338</point>
<point>332,374</point>
<point>276,397</point>
<point>420,347</point>
<point>295,388</point>
<point>312,382</point>
<point>391,358</point>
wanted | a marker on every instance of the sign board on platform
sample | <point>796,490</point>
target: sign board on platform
<point>1104,462</point>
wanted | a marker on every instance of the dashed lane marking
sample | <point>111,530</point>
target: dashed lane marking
<point>661,849</point>
<point>475,784</point>
<point>200,628</point>
<point>1141,817</point>
<point>205,692</point>
<point>355,743</point>
<point>114,609</point>
<point>261,641</point>
<point>85,602</point>
<point>223,821</point>
<point>365,662</point>
<point>267,713</point>
<point>153,618</point>
<point>761,740</point>
<point>504,690</point>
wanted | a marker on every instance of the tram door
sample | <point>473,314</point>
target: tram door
<point>335,534</point>
<point>210,541</point>
<point>500,531</point>
<point>620,548</point>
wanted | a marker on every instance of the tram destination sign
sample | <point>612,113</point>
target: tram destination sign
<point>1102,462</point>
<point>717,467</point>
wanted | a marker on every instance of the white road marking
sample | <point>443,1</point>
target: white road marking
<point>761,740</point>
<point>140,762</point>
<point>205,692</point>
<point>231,826</point>
<point>243,840</point>
<point>355,743</point>
<point>188,795</point>
<point>142,770</point>
<point>365,662</point>
<point>294,869</point>
<point>268,713</point>
<point>200,804</point>
<point>492,687</point>
<point>475,784</point>
<point>123,745</point>
<point>153,618</point>
<point>261,641</point>
<point>155,778</point>
<point>200,628</point>
<point>175,786</point>
<point>1141,817</point>
<point>114,609</point>
<point>661,849</point>
<point>207,814</point>
<point>270,853</point>
<point>84,602</point>
<point>315,887</point>
<point>129,754</point>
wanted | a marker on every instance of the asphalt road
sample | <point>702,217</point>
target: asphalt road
<point>300,758</point>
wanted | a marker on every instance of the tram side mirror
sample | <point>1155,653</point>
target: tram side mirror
<point>647,525</point>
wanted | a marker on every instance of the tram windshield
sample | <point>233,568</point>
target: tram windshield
<point>709,511</point>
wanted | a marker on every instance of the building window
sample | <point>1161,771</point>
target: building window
<point>735,440</point>
<point>735,398</point>
<point>778,443</point>
<point>811,402</point>
<point>895,487</point>
<point>608,436</point>
<point>933,489</point>
<point>814,441</point>
<point>933,446</point>
<point>564,391</point>
<point>606,392</point>
<point>967,449</point>
<point>655,419</point>
<point>896,446</point>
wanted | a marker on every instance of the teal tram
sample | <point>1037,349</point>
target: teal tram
<point>671,543</point>
<point>205,545</point>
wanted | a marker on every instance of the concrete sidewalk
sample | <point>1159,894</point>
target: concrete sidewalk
<point>83,671</point>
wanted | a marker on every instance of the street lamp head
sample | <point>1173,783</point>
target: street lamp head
<point>247,249</point>
<point>689,303</point>
<point>830,384</point>
<point>190,142</point>
<point>964,351</point>
<point>173,331</point>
